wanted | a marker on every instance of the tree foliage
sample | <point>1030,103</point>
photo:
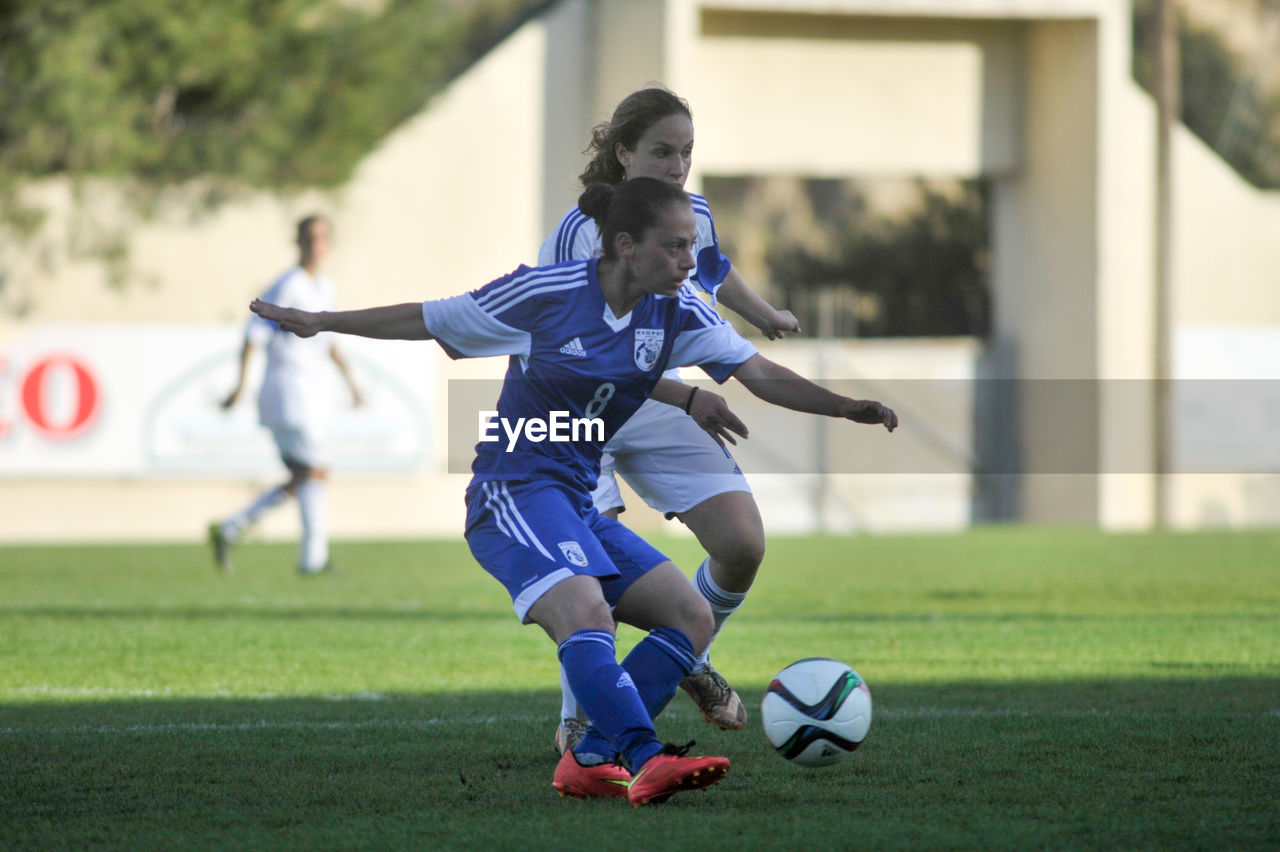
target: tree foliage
<point>269,93</point>
<point>924,274</point>
<point>862,258</point>
<point>1223,102</point>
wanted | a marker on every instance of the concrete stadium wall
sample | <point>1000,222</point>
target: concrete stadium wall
<point>1226,257</point>
<point>855,95</point>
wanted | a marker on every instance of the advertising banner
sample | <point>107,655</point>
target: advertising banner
<point>145,401</point>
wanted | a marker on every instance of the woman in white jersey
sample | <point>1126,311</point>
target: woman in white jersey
<point>291,404</point>
<point>530,520</point>
<point>664,456</point>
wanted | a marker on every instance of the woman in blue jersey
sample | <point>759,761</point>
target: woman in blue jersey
<point>664,456</point>
<point>530,521</point>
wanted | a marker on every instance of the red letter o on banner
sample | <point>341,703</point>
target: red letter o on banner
<point>36,406</point>
<point>5,425</point>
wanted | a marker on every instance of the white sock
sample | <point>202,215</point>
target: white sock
<point>723,604</point>
<point>235,526</point>
<point>569,708</point>
<point>313,553</point>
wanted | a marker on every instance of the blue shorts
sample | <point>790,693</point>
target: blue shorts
<point>532,535</point>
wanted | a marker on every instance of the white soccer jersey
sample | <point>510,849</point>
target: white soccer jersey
<point>577,237</point>
<point>569,353</point>
<point>293,392</point>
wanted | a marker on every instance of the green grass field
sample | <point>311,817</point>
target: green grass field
<point>1034,689</point>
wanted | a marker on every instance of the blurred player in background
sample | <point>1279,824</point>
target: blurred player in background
<point>664,456</point>
<point>291,403</point>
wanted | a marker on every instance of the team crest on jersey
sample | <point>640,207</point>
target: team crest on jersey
<point>648,347</point>
<point>573,552</point>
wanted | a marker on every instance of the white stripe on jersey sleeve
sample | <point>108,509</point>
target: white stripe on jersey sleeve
<point>707,276</point>
<point>575,238</point>
<point>714,344</point>
<point>463,326</point>
<point>532,282</point>
<point>690,301</point>
<point>700,205</point>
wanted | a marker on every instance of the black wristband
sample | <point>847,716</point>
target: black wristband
<point>688,403</point>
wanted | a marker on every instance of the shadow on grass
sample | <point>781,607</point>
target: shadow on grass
<point>319,612</point>
<point>254,612</point>
<point>1080,764</point>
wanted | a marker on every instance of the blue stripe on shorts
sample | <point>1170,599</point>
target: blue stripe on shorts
<point>532,535</point>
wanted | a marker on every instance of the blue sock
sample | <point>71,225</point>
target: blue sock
<point>657,665</point>
<point>620,723</point>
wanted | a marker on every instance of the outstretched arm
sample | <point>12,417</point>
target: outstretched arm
<point>340,361</point>
<point>392,322</point>
<point>245,351</point>
<point>780,386</point>
<point>707,408</point>
<point>738,297</point>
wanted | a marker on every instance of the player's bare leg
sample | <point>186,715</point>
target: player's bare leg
<point>226,534</point>
<point>730,529</point>
<point>309,486</point>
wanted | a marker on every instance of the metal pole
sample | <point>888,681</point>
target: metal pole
<point>1166,87</point>
<point>825,298</point>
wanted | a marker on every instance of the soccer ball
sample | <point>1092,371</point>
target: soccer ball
<point>816,712</point>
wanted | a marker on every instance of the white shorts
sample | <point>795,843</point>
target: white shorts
<point>299,447</point>
<point>666,458</point>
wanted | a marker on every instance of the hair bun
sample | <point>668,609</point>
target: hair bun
<point>595,201</point>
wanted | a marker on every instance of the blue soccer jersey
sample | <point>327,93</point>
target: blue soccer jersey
<point>571,362</point>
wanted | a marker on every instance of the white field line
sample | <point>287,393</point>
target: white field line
<point>266,725</point>
<point>410,724</point>
<point>127,692</point>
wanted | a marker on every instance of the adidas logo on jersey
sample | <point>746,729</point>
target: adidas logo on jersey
<point>574,347</point>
